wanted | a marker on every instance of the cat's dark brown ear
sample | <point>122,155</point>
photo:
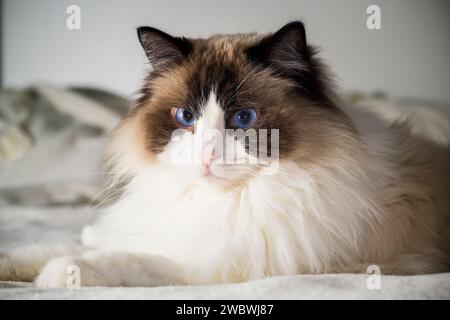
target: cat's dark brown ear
<point>285,50</point>
<point>162,49</point>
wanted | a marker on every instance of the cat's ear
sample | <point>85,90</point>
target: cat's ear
<point>286,49</point>
<point>162,49</point>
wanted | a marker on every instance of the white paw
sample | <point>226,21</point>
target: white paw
<point>64,272</point>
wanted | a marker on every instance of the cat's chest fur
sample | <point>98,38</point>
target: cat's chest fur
<point>273,225</point>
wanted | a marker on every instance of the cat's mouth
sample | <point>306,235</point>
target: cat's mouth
<point>227,172</point>
<point>212,172</point>
<point>215,172</point>
<point>206,172</point>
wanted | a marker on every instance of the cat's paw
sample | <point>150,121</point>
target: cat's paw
<point>64,272</point>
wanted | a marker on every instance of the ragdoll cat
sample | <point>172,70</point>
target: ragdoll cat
<point>345,189</point>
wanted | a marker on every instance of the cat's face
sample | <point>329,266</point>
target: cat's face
<point>203,94</point>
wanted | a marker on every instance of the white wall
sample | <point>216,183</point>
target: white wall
<point>408,57</point>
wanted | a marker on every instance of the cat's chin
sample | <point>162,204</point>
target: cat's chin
<point>212,176</point>
<point>196,173</point>
<point>230,176</point>
<point>216,175</point>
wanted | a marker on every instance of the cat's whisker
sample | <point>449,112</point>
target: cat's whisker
<point>109,186</point>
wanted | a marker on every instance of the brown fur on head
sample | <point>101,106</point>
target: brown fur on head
<point>277,75</point>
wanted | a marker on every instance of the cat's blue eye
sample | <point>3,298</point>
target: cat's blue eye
<point>184,117</point>
<point>244,118</point>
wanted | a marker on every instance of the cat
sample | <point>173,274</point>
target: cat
<point>346,190</point>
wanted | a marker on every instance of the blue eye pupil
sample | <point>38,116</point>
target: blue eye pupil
<point>244,118</point>
<point>187,115</point>
<point>184,117</point>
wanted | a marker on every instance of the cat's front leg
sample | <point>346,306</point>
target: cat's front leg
<point>108,268</point>
<point>24,264</point>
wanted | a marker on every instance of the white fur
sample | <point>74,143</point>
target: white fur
<point>285,223</point>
